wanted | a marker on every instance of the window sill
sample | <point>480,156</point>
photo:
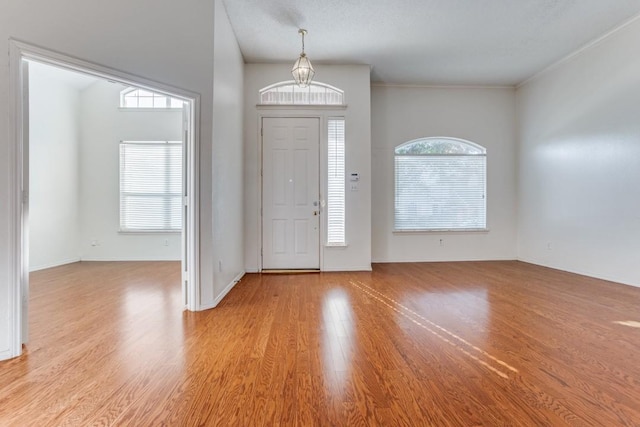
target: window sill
<point>145,232</point>
<point>148,109</point>
<point>443,230</point>
<point>335,245</point>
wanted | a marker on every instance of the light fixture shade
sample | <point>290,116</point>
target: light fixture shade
<point>302,71</point>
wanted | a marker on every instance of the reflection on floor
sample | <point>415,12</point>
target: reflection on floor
<point>477,343</point>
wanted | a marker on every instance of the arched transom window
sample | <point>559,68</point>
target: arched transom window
<point>288,93</point>
<point>140,98</point>
<point>440,184</point>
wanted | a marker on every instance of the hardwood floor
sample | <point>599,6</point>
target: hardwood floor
<point>442,344</point>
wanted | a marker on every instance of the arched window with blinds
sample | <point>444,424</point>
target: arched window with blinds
<point>140,98</point>
<point>440,184</point>
<point>288,93</point>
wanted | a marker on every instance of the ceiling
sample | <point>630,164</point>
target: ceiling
<point>439,42</point>
<point>50,74</point>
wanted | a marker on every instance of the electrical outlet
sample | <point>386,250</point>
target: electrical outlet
<point>166,242</point>
<point>441,242</point>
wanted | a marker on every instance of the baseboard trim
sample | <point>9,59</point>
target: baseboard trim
<point>223,294</point>
<point>6,354</point>
<point>115,259</point>
<point>379,261</point>
<point>581,273</point>
<point>54,264</point>
<point>287,271</point>
<point>337,270</point>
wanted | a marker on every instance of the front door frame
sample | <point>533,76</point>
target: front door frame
<point>321,171</point>
<point>320,188</point>
<point>18,262</point>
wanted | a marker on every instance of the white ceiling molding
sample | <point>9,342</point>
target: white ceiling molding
<point>436,86</point>
<point>579,51</point>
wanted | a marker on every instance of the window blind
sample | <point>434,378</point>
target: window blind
<point>440,192</point>
<point>289,93</point>
<point>336,182</point>
<point>151,186</point>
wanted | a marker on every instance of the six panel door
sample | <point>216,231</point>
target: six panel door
<point>290,193</point>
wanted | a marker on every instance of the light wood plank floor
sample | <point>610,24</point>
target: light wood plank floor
<point>442,344</point>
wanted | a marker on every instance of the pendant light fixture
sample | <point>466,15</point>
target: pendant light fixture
<point>302,69</point>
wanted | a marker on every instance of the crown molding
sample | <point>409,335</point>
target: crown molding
<point>579,51</point>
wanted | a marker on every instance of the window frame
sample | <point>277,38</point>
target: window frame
<point>343,177</point>
<point>483,153</point>
<point>167,106</point>
<point>325,113</point>
<point>293,87</point>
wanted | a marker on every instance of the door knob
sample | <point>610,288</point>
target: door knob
<point>315,213</point>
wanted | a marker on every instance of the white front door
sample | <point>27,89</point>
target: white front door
<point>290,193</point>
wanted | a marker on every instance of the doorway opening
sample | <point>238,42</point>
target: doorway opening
<point>179,201</point>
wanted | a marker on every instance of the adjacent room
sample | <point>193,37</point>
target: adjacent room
<point>325,213</point>
<point>83,206</point>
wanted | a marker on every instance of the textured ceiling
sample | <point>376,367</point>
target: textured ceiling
<point>467,42</point>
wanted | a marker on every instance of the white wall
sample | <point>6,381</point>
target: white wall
<point>129,36</point>
<point>53,159</point>
<point>103,126</point>
<point>227,262</point>
<point>485,116</point>
<point>354,80</point>
<point>579,192</point>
